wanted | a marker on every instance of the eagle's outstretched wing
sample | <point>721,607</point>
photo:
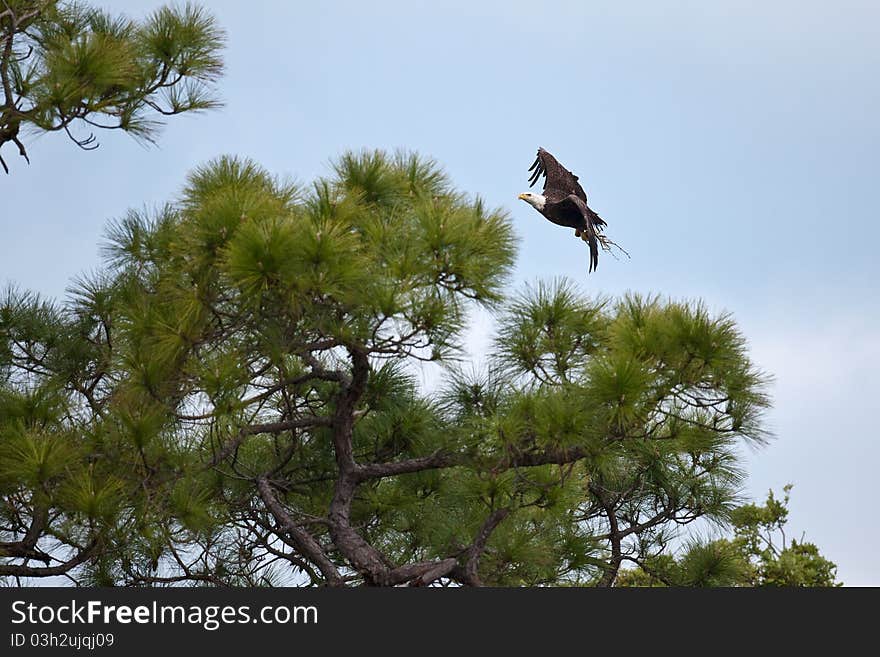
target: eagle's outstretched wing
<point>556,177</point>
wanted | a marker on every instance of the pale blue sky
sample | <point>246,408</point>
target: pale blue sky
<point>731,146</point>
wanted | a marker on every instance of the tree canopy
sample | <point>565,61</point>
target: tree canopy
<point>66,66</point>
<point>758,554</point>
<point>232,400</point>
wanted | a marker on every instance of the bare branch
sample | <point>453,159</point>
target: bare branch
<point>304,541</point>
<point>469,573</point>
<point>80,557</point>
<point>271,427</point>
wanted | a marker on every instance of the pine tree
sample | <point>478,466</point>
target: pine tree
<point>232,401</point>
<point>65,66</point>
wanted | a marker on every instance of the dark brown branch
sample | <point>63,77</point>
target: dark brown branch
<point>5,58</point>
<point>26,547</point>
<point>468,574</point>
<point>272,427</point>
<point>667,514</point>
<point>614,535</point>
<point>422,573</point>
<point>303,541</point>
<point>49,571</point>
<point>366,559</point>
<point>419,464</point>
<point>549,456</point>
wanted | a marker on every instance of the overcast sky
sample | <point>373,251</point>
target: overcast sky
<point>732,147</point>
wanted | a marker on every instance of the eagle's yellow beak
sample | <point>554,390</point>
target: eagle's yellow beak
<point>522,197</point>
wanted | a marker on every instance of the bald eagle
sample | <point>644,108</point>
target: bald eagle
<point>564,202</point>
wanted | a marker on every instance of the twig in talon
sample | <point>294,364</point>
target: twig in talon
<point>607,244</point>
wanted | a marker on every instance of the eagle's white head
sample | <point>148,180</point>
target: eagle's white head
<point>537,201</point>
